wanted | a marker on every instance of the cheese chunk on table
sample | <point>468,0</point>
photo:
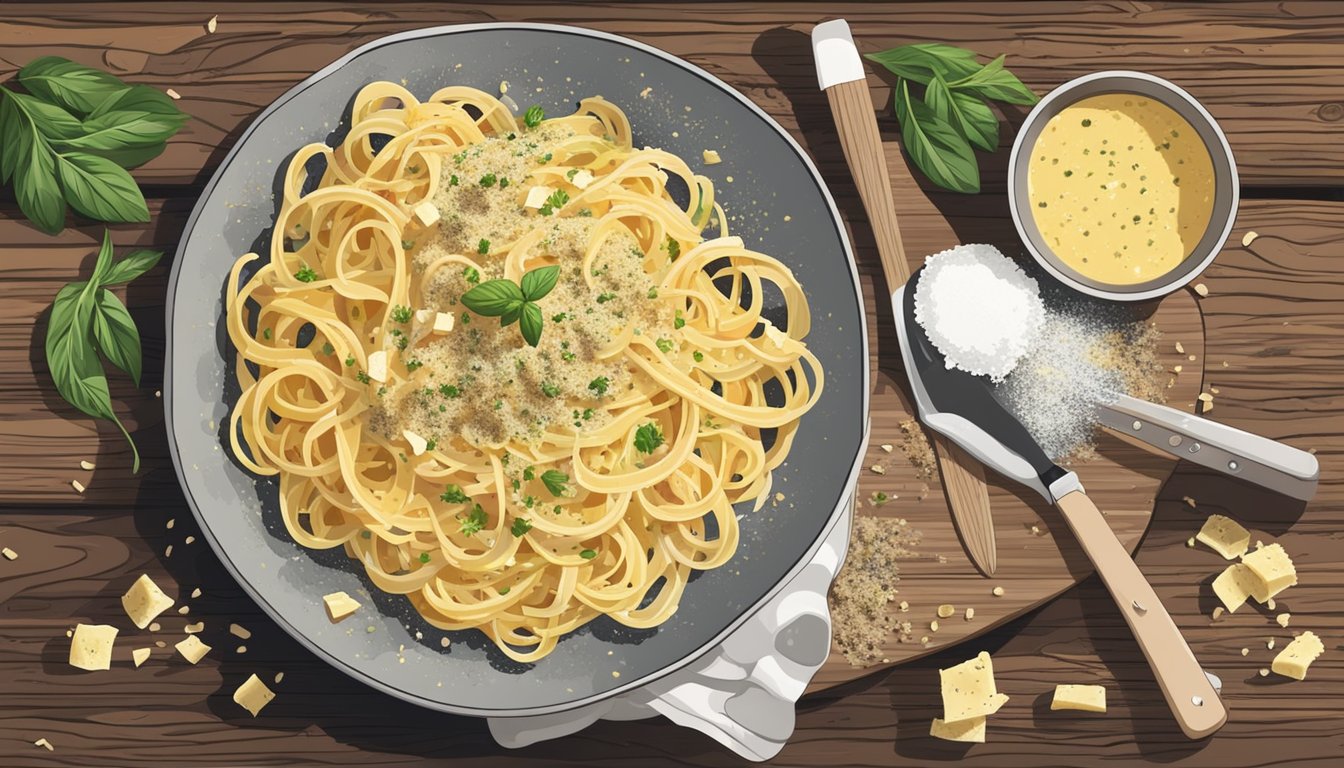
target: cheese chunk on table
<point>339,605</point>
<point>144,601</point>
<point>970,730</point>
<point>253,695</point>
<point>1224,536</point>
<point>1294,659</point>
<point>969,690</point>
<point>91,646</point>
<point>1236,583</point>
<point>1273,568</point>
<point>1084,698</point>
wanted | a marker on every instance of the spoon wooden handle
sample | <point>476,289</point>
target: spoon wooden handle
<point>963,476</point>
<point>1198,709</point>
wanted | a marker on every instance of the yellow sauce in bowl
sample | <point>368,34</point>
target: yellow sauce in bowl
<point>1121,188</point>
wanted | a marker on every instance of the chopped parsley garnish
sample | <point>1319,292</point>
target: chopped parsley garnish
<point>603,298</point>
<point>653,293</point>
<point>698,356</point>
<point>588,414</point>
<point>475,521</point>
<point>599,385</point>
<point>350,361</point>
<point>266,334</point>
<point>664,345</point>
<point>362,377</point>
<point>588,554</point>
<point>403,341</point>
<point>401,313</point>
<point>520,526</point>
<point>673,249</point>
<point>466,319</point>
<point>557,199</point>
<point>648,437</point>
<point>482,248</point>
<point>503,183</point>
<point>413,365</point>
<point>488,180</point>
<point>546,158</point>
<point>499,404</point>
<point>529,473</point>
<point>412,169</point>
<point>679,321</point>
<point>305,274</point>
<point>533,116</point>
<point>505,591</point>
<point>473,276</point>
<point>448,390</point>
<point>555,481</point>
<point>407,245</point>
<point>383,391</point>
<point>559,317</point>
<point>452,180</point>
<point>454,495</point>
<point>327,349</point>
<point>568,356</point>
<point>548,389</point>
<point>424,557</point>
<point>879,498</point>
<point>431,445</point>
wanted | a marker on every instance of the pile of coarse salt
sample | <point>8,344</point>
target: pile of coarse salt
<point>979,309</point>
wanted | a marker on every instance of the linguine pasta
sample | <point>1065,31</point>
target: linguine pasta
<point>521,489</point>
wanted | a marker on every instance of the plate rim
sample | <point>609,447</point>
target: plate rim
<point>686,659</point>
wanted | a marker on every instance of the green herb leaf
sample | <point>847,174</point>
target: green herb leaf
<point>476,520</point>
<point>648,437</point>
<point>50,120</point>
<point>14,137</point>
<point>493,297</point>
<point>521,526</point>
<point>531,323</point>
<point>401,313</point>
<point>453,494</point>
<point>118,338</point>
<point>482,247</point>
<point>99,188</point>
<point>35,185</point>
<point>967,114</point>
<point>995,83</point>
<point>133,265</point>
<point>921,61</point>
<point>588,554</point>
<point>140,98</point>
<point>539,282</point>
<point>512,314</point>
<point>533,116</point>
<point>934,146</point>
<point>74,86</point>
<point>555,481</point>
<point>599,385</point>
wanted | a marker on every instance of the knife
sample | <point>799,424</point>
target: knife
<point>841,76</point>
<point>961,406</point>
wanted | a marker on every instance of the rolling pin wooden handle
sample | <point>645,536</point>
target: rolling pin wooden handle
<point>963,477</point>
<point>1198,709</point>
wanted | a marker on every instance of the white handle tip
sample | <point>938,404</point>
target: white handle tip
<point>836,56</point>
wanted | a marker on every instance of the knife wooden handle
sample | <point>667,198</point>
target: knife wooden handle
<point>1198,709</point>
<point>963,476</point>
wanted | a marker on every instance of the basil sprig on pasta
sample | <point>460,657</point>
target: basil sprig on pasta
<point>510,301</point>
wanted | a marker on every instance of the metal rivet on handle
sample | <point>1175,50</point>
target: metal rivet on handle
<point>1198,701</point>
<point>1139,607</point>
<point>1194,447</point>
<point>1232,465</point>
<point>1138,425</point>
<point>1174,440</point>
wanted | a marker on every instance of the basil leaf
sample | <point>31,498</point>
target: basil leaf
<point>133,265</point>
<point>100,189</point>
<point>539,282</point>
<point>35,186</point>
<point>555,480</point>
<point>50,120</point>
<point>997,84</point>
<point>140,98</point>
<point>103,262</point>
<point>74,86</point>
<point>122,130</point>
<point>512,314</point>
<point>13,135</point>
<point>921,61</point>
<point>118,338</point>
<point>970,116</point>
<point>530,324</point>
<point>934,146</point>
<point>492,298</point>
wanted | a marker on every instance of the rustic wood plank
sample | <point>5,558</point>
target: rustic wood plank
<point>1269,73</point>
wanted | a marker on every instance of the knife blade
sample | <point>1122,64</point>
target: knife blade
<point>841,76</point>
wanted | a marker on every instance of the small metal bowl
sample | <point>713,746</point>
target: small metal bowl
<point>1226,192</point>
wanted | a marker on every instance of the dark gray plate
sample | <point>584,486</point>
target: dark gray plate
<point>686,111</point>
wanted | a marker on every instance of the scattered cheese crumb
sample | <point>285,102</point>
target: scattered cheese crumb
<point>140,655</point>
<point>212,24</point>
<point>44,744</point>
<point>339,605</point>
<point>582,179</point>
<point>238,631</point>
<point>426,213</point>
<point>192,629</point>
<point>278,677</point>
<point>1189,501</point>
<point>1201,289</point>
<point>154,627</point>
<point>1217,612</point>
<point>196,592</point>
<point>9,554</point>
<point>241,649</point>
<point>945,610</point>
<point>1083,698</point>
<point>888,447</point>
<point>878,469</point>
<point>1283,618</point>
<point>1190,542</point>
<point>1270,604</point>
<point>1224,536</point>
<point>644,94</point>
<point>1180,348</point>
<point>904,606</point>
<point>378,366</point>
<point>1245,651</point>
<point>1249,238</point>
<point>184,610</point>
<point>1270,644</point>
<point>87,465</point>
<point>192,649</point>
<point>970,614</point>
<point>253,695</point>
<point>712,157</point>
<point>91,646</point>
<point>933,625</point>
<point>1264,672</point>
<point>997,591</point>
<point>174,95</point>
<point>78,486</point>
<point>144,601</point>
<point>537,196</point>
<point>445,642</point>
<point>418,444</point>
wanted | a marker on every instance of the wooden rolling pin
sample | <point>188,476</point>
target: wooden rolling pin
<point>840,74</point>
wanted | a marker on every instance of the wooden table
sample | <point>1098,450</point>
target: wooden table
<point>1270,73</point>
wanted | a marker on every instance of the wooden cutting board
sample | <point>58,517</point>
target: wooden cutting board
<point>1037,556</point>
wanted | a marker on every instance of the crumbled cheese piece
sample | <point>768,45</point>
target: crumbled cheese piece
<point>86,465</point>
<point>644,94</point>
<point>91,646</point>
<point>1249,238</point>
<point>776,336</point>
<point>154,627</point>
<point>78,486</point>
<point>582,179</point>
<point>192,629</point>
<point>443,322</point>
<point>536,196</point>
<point>339,605</point>
<point>1201,289</point>
<point>1270,645</point>
<point>426,213</point>
<point>1264,672</point>
<point>878,469</point>
<point>1084,698</point>
<point>140,655</point>
<point>1234,585</point>
<point>174,95</point>
<point>887,447</point>
<point>904,606</point>
<point>1294,659</point>
<point>1180,348</point>
<point>1270,604</point>
<point>253,695</point>
<point>1224,536</point>
<point>997,591</point>
<point>712,157</point>
<point>241,649</point>
<point>144,601</point>
<point>945,610</point>
<point>1282,619</point>
<point>1245,651</point>
<point>1217,612</point>
<point>212,24</point>
<point>43,743</point>
<point>968,689</point>
<point>378,366</point>
<point>278,677</point>
<point>197,591</point>
<point>970,730</point>
<point>9,554</point>
<point>418,444</point>
<point>192,649</point>
<point>970,614</point>
<point>184,610</point>
<point>1274,570</point>
<point>933,625</point>
<point>1190,542</point>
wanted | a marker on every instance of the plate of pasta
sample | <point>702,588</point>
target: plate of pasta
<point>539,364</point>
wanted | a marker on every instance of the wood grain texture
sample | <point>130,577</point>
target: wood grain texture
<point>1274,315</point>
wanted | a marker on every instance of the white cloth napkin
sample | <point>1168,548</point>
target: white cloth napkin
<point>742,693</point>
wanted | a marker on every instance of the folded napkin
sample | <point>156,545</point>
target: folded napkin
<point>741,693</point>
